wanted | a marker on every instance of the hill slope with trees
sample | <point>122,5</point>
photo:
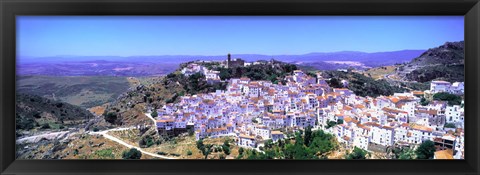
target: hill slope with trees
<point>446,62</point>
<point>38,113</point>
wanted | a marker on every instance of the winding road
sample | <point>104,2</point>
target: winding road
<point>37,138</point>
<point>104,134</point>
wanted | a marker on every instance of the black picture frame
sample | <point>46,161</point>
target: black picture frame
<point>10,8</point>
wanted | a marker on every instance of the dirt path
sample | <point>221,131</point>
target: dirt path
<point>104,134</point>
<point>149,115</point>
<point>47,136</point>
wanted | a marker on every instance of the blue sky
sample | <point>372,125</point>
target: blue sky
<point>39,36</point>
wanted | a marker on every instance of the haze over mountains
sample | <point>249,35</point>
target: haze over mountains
<point>158,65</point>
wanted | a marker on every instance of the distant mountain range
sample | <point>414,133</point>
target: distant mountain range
<point>157,65</point>
<point>370,59</point>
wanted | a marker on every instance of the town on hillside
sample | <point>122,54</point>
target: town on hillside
<point>254,112</point>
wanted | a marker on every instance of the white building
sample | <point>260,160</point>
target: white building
<point>277,135</point>
<point>439,86</point>
<point>263,132</point>
<point>246,141</point>
<point>382,135</point>
<point>443,86</point>
<point>454,114</point>
<point>457,88</point>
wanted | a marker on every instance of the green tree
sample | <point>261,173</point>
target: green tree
<point>205,149</point>
<point>45,126</point>
<point>308,135</point>
<point>191,132</point>
<point>407,154</point>
<point>298,139</point>
<point>339,121</point>
<point>269,144</point>
<point>357,153</point>
<point>226,147</point>
<point>323,142</point>
<point>240,151</point>
<point>335,83</point>
<point>226,150</point>
<point>154,113</point>
<point>200,144</point>
<point>25,123</point>
<point>111,117</point>
<point>75,152</point>
<point>450,98</point>
<point>298,150</point>
<point>450,125</point>
<point>146,141</point>
<point>270,154</point>
<point>281,143</point>
<point>132,154</point>
<point>424,101</point>
<point>331,124</point>
<point>426,150</point>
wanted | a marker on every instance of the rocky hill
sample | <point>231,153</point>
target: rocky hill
<point>446,54</point>
<point>361,85</point>
<point>35,113</point>
<point>445,62</point>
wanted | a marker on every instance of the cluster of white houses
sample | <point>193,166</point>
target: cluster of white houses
<point>210,75</point>
<point>444,86</point>
<point>255,111</point>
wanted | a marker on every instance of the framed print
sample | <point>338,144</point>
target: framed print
<point>263,87</point>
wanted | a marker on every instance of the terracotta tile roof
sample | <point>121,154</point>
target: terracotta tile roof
<point>246,136</point>
<point>431,111</point>
<point>165,120</point>
<point>422,128</point>
<point>391,110</point>
<point>347,119</point>
<point>417,93</point>
<point>444,154</point>
<point>277,133</point>
<point>359,106</point>
<point>348,108</point>
<point>387,127</point>
<point>394,99</point>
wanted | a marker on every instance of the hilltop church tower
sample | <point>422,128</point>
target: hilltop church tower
<point>235,63</point>
<point>229,59</point>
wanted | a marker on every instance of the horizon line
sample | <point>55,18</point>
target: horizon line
<point>224,54</point>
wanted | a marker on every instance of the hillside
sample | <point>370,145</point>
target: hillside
<point>83,91</point>
<point>362,59</point>
<point>129,107</point>
<point>446,54</point>
<point>450,73</point>
<point>35,113</point>
<point>445,62</point>
<point>379,72</point>
<point>360,84</point>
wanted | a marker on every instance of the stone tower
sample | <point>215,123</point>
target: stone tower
<point>229,59</point>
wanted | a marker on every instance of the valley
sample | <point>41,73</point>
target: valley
<point>105,108</point>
